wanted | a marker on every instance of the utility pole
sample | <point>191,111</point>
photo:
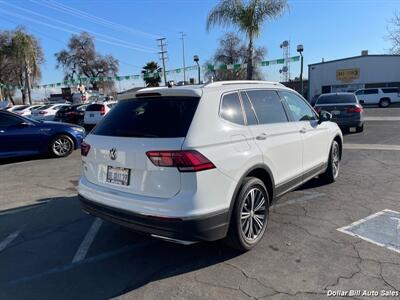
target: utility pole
<point>163,52</point>
<point>183,55</point>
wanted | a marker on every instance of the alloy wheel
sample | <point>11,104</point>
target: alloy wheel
<point>62,146</point>
<point>253,214</point>
<point>335,160</point>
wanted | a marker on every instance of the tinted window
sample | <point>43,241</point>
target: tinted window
<point>45,107</point>
<point>249,110</point>
<point>371,91</point>
<point>300,110</point>
<point>94,107</point>
<point>391,90</point>
<point>7,120</point>
<point>361,92</point>
<point>268,106</point>
<point>336,98</point>
<point>231,110</point>
<point>21,108</point>
<point>161,117</point>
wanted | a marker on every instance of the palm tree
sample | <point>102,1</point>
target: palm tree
<point>28,55</point>
<point>151,74</point>
<point>248,17</point>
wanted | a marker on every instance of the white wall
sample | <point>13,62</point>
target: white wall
<point>373,69</point>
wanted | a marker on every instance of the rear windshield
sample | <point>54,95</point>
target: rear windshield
<point>158,117</point>
<point>334,99</point>
<point>45,107</point>
<point>94,107</point>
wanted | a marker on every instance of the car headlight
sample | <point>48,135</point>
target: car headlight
<point>78,129</point>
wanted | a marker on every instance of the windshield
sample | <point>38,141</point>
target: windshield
<point>159,117</point>
<point>336,99</point>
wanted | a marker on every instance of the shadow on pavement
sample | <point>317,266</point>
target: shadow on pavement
<point>38,262</point>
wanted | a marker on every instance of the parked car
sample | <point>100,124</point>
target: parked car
<point>27,112</point>
<point>21,136</point>
<point>16,108</point>
<point>345,108</point>
<point>205,162</point>
<point>96,111</point>
<point>381,96</point>
<point>47,112</point>
<point>71,114</point>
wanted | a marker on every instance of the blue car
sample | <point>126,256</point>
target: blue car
<point>20,136</point>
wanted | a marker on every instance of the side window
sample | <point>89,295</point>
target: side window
<point>231,109</point>
<point>8,121</point>
<point>371,92</point>
<point>301,111</point>
<point>249,110</point>
<point>361,92</point>
<point>268,106</point>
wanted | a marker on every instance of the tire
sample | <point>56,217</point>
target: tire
<point>61,146</point>
<point>384,102</point>
<point>332,171</point>
<point>360,128</point>
<point>248,223</point>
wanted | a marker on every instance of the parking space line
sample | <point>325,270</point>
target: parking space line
<point>87,241</point>
<point>8,240</point>
<point>371,147</point>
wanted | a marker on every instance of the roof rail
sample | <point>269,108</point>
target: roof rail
<point>233,82</point>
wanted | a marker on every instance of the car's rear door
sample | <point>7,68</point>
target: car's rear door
<point>315,136</point>
<point>117,157</point>
<point>277,138</point>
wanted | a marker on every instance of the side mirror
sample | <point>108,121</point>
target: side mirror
<point>324,116</point>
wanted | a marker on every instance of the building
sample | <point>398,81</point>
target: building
<point>353,73</point>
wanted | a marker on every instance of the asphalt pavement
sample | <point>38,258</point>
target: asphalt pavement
<point>321,238</point>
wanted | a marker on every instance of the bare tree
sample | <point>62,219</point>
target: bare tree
<point>394,33</point>
<point>233,51</point>
<point>81,59</point>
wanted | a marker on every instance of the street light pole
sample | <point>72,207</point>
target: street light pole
<point>183,56</point>
<point>300,49</point>
<point>196,59</point>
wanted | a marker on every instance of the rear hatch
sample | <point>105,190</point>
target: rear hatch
<point>342,106</point>
<point>94,113</point>
<point>117,156</point>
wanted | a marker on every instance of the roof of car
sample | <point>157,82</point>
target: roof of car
<point>337,94</point>
<point>197,90</point>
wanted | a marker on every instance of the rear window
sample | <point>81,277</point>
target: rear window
<point>334,99</point>
<point>20,108</point>
<point>65,108</point>
<point>158,117</point>
<point>371,92</point>
<point>391,90</point>
<point>94,107</point>
<point>45,107</point>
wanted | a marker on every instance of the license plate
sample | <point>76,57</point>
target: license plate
<point>335,112</point>
<point>118,176</point>
<point>91,115</point>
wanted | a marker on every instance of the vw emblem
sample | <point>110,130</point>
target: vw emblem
<point>113,153</point>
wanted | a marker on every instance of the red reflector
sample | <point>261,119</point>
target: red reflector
<point>85,148</point>
<point>185,160</point>
<point>355,109</point>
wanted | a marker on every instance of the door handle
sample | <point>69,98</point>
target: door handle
<point>303,130</point>
<point>262,136</point>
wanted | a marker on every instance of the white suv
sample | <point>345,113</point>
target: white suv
<point>205,162</point>
<point>382,96</point>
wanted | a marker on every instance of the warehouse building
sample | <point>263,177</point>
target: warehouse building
<point>353,73</point>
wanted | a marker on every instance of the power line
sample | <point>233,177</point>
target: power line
<point>73,32</point>
<point>163,52</point>
<point>92,18</point>
<point>148,49</point>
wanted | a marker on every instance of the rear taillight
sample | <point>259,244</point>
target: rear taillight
<point>354,109</point>
<point>85,148</point>
<point>185,160</point>
<point>103,110</point>
<point>43,112</point>
<point>71,113</point>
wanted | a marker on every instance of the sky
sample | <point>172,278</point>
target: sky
<point>328,29</point>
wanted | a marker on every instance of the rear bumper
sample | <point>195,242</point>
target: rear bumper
<point>210,227</point>
<point>352,123</point>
